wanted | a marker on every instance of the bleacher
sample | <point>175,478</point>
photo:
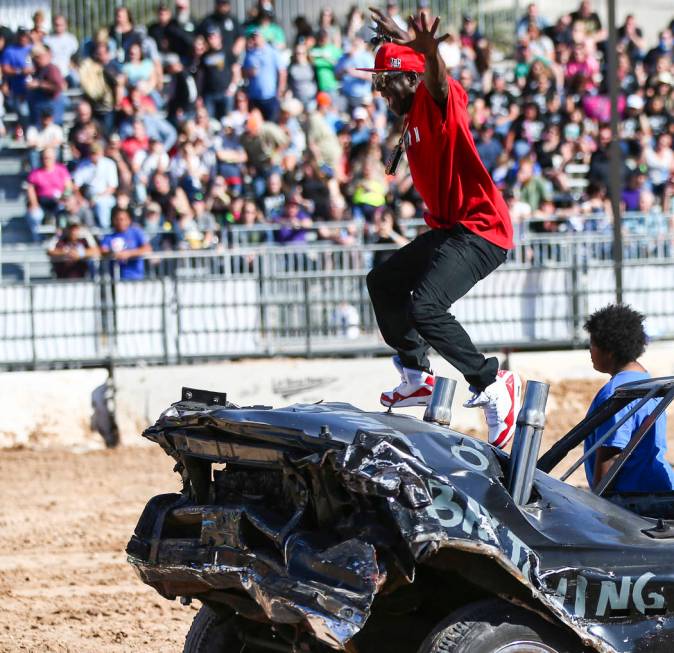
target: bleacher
<point>15,236</point>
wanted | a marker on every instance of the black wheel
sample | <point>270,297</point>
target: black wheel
<point>495,626</point>
<point>223,632</point>
<point>212,632</point>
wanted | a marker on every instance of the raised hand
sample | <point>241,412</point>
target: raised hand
<point>424,40</point>
<point>387,26</point>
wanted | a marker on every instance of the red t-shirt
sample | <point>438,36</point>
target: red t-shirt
<point>131,145</point>
<point>447,170</point>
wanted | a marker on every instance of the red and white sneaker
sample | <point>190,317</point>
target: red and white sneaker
<point>501,403</point>
<point>415,388</point>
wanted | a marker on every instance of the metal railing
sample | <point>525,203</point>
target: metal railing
<point>646,237</point>
<point>295,301</point>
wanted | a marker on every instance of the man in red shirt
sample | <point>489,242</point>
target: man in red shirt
<point>46,86</point>
<point>470,233</point>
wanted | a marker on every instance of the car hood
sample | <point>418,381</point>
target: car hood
<point>586,560</point>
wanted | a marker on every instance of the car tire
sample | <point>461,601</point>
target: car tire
<point>495,626</point>
<point>219,632</point>
<point>212,632</point>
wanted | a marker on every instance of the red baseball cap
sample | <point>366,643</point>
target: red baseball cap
<point>397,58</point>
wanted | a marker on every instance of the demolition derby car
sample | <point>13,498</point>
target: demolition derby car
<point>323,527</point>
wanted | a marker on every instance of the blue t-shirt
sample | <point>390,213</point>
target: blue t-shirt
<point>133,238</point>
<point>355,87</point>
<point>16,57</point>
<point>267,61</point>
<point>646,470</point>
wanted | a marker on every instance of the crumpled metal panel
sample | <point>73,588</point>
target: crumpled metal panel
<point>583,559</point>
<point>331,591</point>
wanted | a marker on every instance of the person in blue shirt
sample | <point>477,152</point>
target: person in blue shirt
<point>356,84</point>
<point>16,66</point>
<point>127,246</point>
<point>617,340</point>
<point>266,73</point>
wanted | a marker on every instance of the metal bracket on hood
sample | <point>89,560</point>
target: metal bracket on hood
<point>206,397</point>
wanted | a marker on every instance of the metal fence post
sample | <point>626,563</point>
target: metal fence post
<point>575,297</point>
<point>307,317</point>
<point>262,308</point>
<point>31,294</point>
<point>164,321</point>
<point>176,291</point>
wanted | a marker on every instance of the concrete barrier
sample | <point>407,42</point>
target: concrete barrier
<point>53,409</point>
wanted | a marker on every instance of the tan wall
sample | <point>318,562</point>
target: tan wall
<point>53,409</point>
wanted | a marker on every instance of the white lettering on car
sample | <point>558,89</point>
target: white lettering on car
<point>657,600</point>
<point>610,596</point>
<point>471,457</point>
<point>581,591</point>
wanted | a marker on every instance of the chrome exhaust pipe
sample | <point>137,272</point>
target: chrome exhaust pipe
<point>527,442</point>
<point>439,408</point>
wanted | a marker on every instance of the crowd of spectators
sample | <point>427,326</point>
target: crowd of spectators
<point>185,129</point>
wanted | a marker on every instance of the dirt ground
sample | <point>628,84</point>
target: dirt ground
<point>65,519</point>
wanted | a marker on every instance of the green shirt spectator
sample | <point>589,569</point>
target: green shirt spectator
<point>531,187</point>
<point>325,56</point>
<point>273,33</point>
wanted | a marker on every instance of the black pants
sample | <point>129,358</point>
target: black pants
<point>413,290</point>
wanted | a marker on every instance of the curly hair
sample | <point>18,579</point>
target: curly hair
<point>618,329</point>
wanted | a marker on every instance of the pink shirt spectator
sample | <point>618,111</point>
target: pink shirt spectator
<point>49,183</point>
<point>598,107</point>
<point>588,68</point>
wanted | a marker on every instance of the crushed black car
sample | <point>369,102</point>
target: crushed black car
<point>323,527</point>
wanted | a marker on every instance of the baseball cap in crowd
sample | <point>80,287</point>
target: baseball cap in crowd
<point>323,99</point>
<point>38,50</point>
<point>635,102</point>
<point>360,113</point>
<point>665,77</point>
<point>292,106</point>
<point>154,208</point>
<point>392,57</point>
<point>423,4</point>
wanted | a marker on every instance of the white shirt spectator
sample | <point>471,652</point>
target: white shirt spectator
<point>148,163</point>
<point>49,136</point>
<point>450,53</point>
<point>63,47</point>
<point>99,177</point>
<point>660,165</point>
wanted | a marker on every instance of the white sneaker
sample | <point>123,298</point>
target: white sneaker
<point>501,403</point>
<point>415,388</point>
